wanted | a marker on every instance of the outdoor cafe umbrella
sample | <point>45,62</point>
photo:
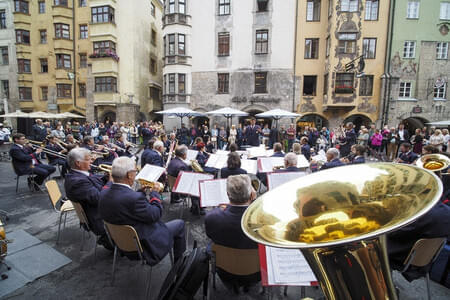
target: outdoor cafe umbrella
<point>277,114</point>
<point>440,123</point>
<point>16,114</point>
<point>228,113</point>
<point>69,115</point>
<point>42,115</point>
<point>180,112</point>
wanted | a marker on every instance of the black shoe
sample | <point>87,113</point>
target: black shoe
<point>30,187</point>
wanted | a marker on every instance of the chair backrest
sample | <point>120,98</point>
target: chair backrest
<point>80,213</point>
<point>425,251</point>
<point>53,192</point>
<point>125,237</point>
<point>236,261</point>
<point>171,180</point>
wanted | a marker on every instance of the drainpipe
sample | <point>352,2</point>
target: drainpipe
<point>295,56</point>
<point>74,39</point>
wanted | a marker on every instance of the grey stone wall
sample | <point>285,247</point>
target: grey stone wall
<point>127,112</point>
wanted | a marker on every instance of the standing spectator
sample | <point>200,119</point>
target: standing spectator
<point>376,140</point>
<point>274,136</point>
<point>233,134</point>
<point>437,139</point>
<point>391,150</point>
<point>192,134</point>
<point>305,148</point>
<point>214,135</point>
<point>39,131</point>
<point>124,130</point>
<point>59,132</point>
<point>205,133</point>
<point>95,134</point>
<point>313,136</point>
<point>417,141</point>
<point>371,133</point>
<point>384,133</point>
<point>283,137</point>
<point>146,134</point>
<point>347,140</point>
<point>291,133</point>
<point>239,136</point>
<point>266,134</point>
<point>403,135</point>
<point>252,132</point>
<point>133,133</point>
<point>446,140</point>
<point>363,137</point>
<point>182,135</point>
<point>222,138</point>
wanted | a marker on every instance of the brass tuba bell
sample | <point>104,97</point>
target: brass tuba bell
<point>196,166</point>
<point>338,218</point>
<point>433,162</point>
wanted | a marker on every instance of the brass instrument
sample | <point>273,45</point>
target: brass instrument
<point>47,151</point>
<point>433,162</point>
<point>156,186</point>
<point>3,243</point>
<point>196,166</point>
<point>173,146</point>
<point>277,168</point>
<point>103,167</point>
<point>339,217</point>
<point>36,143</point>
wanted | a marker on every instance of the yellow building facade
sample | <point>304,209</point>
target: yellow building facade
<point>331,34</point>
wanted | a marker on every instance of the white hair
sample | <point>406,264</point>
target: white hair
<point>121,166</point>
<point>239,188</point>
<point>77,154</point>
<point>158,144</point>
<point>291,159</point>
<point>334,152</point>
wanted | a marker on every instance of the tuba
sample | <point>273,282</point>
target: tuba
<point>338,218</point>
<point>196,166</point>
<point>433,162</point>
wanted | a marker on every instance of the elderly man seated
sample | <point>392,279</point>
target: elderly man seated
<point>223,226</point>
<point>121,205</point>
<point>290,163</point>
<point>332,159</point>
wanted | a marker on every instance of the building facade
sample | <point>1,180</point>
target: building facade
<point>419,67</point>
<point>331,34</point>
<point>221,53</point>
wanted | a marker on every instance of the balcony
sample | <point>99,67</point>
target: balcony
<point>106,98</point>
<point>63,44</point>
<point>23,48</point>
<point>176,18</point>
<point>61,11</point>
<point>103,31</point>
<point>63,74</point>
<point>104,65</point>
<point>177,59</point>
<point>26,104</point>
<point>64,101</point>
<point>175,98</point>
<point>22,18</point>
<point>25,77</point>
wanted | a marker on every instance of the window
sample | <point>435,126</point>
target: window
<point>224,44</point>
<point>63,90</point>
<point>5,55</point>
<point>441,50</point>
<point>154,93</point>
<point>44,65</point>
<point>102,14</point>
<point>181,44</point>
<point>405,90</point>
<point>43,36</point>
<point>22,36</point>
<point>328,47</point>
<point>153,66</point>
<point>171,6</point>
<point>181,83</point>
<point>330,8</point>
<point>347,43</point>
<point>62,31</point>
<point>41,7</point>
<point>25,93</point>
<point>366,85</point>
<point>63,61</point>
<point>21,6</point>
<point>83,32</point>
<point>371,10</point>
<point>153,9</point>
<point>262,42</point>
<point>440,92</point>
<point>262,5</point>
<point>2,19</point>
<point>82,3</point>
<point>260,82</point>
<point>344,83</point>
<point>153,37</point>
<point>445,11</point>
<point>313,10</point>
<point>105,84</point>
<point>104,47</point>
<point>409,49</point>
<point>24,65</point>
<point>413,10</point>
<point>369,48</point>
<point>325,84</point>
<point>171,44</point>
<point>5,88</point>
<point>44,93</point>
<point>82,90</point>
<point>83,60</point>
<point>309,85</point>
<point>61,2</point>
<point>223,81</point>
<point>172,83</point>
<point>311,48</point>
<point>224,7</point>
<point>181,6</point>
<point>349,5</point>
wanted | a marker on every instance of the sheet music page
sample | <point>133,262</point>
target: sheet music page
<point>189,183</point>
<point>191,154</point>
<point>288,267</point>
<point>321,156</point>
<point>222,152</point>
<point>150,173</point>
<point>302,162</point>
<point>213,193</point>
<point>265,164</point>
<point>277,162</point>
<point>250,165</point>
<point>256,152</point>
<point>277,179</point>
<point>269,152</point>
<point>217,161</point>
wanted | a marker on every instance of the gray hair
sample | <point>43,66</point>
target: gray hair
<point>121,166</point>
<point>158,144</point>
<point>181,150</point>
<point>77,154</point>
<point>334,152</point>
<point>290,159</point>
<point>239,188</point>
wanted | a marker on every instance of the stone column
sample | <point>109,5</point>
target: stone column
<point>127,112</point>
<point>90,87</point>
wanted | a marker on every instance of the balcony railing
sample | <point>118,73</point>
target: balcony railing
<point>175,98</point>
<point>103,54</point>
<point>176,59</point>
<point>175,18</point>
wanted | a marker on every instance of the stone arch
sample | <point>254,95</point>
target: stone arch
<point>108,115</point>
<point>358,120</point>
<point>412,123</point>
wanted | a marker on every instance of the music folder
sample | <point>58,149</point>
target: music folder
<point>275,179</point>
<point>266,164</point>
<point>217,161</point>
<point>150,173</point>
<point>188,183</point>
<point>191,155</point>
<point>249,165</point>
<point>284,267</point>
<point>213,193</point>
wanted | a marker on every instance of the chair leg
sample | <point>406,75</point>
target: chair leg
<point>59,227</point>
<point>428,286</point>
<point>114,265</point>
<point>286,289</point>
<point>149,282</point>
<point>82,239</point>
<point>17,183</point>
<point>65,218</point>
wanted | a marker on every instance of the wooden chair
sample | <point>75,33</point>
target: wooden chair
<point>55,197</point>
<point>84,223</point>
<point>422,254</point>
<point>185,204</point>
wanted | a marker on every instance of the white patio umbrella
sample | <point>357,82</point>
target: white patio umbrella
<point>181,112</point>
<point>42,115</point>
<point>440,123</point>
<point>69,115</point>
<point>277,114</point>
<point>228,113</point>
<point>16,114</point>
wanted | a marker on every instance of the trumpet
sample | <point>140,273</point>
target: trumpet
<point>103,167</point>
<point>156,186</point>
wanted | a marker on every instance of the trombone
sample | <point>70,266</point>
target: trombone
<point>45,150</point>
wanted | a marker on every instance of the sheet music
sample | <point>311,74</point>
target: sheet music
<point>269,152</point>
<point>321,156</point>
<point>222,152</point>
<point>217,161</point>
<point>302,162</point>
<point>213,193</point>
<point>266,164</point>
<point>188,183</point>
<point>191,154</point>
<point>250,165</point>
<point>150,173</point>
<point>256,152</point>
<point>277,179</point>
<point>288,267</point>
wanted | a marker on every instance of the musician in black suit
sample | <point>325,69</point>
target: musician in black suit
<point>155,156</point>
<point>305,148</point>
<point>176,165</point>
<point>121,205</point>
<point>290,163</point>
<point>53,159</point>
<point>83,187</point>
<point>348,139</point>
<point>147,151</point>
<point>359,155</point>
<point>25,161</point>
<point>147,134</point>
<point>277,150</point>
<point>233,166</point>
<point>202,157</point>
<point>332,159</point>
<point>223,226</point>
<point>122,148</point>
<point>406,155</point>
<point>108,159</point>
<point>252,132</point>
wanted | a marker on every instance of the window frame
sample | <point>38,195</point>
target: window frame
<point>350,89</point>
<point>409,9</point>
<point>368,14</point>
<point>108,84</point>
<point>99,47</point>
<point>438,91</point>
<point>402,90</point>
<point>409,54</point>
<point>4,55</point>
<point>63,3</point>
<point>153,37</point>
<point>327,46</point>
<point>347,41</point>
<point>314,89</point>
<point>42,7</point>
<point>260,86</point>
<point>224,8</point>
<point>81,2</point>
<point>171,44</point>
<point>21,34</point>
<point>23,66</point>
<point>82,65</point>
<point>109,14</point>
<point>62,31</point>
<point>264,7</point>
<point>82,90</point>
<point>44,95</point>
<point>171,6</point>
<point>350,5</point>
<point>223,44</point>
<point>25,93</point>
<point>22,6</point>
<point>171,83</point>
<point>325,84</point>
<point>182,4</point>
<point>153,10</point>
<point>441,16</point>
<point>43,36</point>
<point>313,48</point>
<point>62,59</point>
<point>64,90</point>
<point>181,83</point>
<point>364,89</point>
<point>5,87</point>
<point>261,43</point>
<point>440,53</point>
<point>181,45</point>
<point>84,31</point>
<point>368,46</point>
<point>223,83</point>
<point>153,66</point>
<point>42,66</point>
<point>314,15</point>
<point>3,24</point>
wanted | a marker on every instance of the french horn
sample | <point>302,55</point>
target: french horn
<point>338,218</point>
<point>196,166</point>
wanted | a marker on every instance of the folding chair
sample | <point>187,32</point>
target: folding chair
<point>423,254</point>
<point>30,176</point>
<point>171,180</point>
<point>84,223</point>
<point>55,197</point>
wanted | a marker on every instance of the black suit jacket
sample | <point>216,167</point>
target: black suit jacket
<point>252,135</point>
<point>39,133</point>
<point>22,159</point>
<point>122,206</point>
<point>153,158</point>
<point>331,164</point>
<point>175,166</point>
<point>225,172</point>
<point>289,169</point>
